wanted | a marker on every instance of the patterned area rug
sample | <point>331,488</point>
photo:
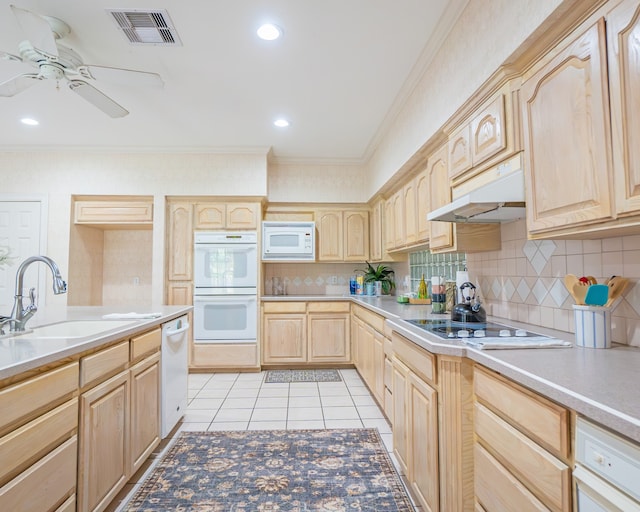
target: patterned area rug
<point>274,471</point>
<point>273,376</point>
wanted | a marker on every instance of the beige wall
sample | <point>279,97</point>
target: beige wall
<point>57,175</point>
<point>481,40</point>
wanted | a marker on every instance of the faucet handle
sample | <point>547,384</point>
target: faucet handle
<point>32,296</point>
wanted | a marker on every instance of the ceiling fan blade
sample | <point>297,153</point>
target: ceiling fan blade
<point>122,76</point>
<point>9,56</point>
<point>18,84</point>
<point>97,98</point>
<point>37,30</point>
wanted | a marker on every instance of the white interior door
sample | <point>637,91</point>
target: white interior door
<point>20,232</point>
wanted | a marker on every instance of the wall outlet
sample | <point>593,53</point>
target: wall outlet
<point>333,280</point>
<point>136,281</point>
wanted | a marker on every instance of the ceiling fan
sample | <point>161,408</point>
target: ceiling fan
<point>53,60</point>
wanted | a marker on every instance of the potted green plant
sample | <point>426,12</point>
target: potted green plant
<point>380,273</point>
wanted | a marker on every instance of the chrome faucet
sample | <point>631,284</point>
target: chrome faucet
<point>21,314</point>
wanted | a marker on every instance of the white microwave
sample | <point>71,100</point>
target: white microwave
<point>288,241</point>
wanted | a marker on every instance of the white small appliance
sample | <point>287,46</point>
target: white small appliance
<point>174,373</point>
<point>288,241</point>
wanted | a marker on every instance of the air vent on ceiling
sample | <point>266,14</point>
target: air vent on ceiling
<point>146,27</point>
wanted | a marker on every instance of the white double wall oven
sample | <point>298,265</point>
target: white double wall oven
<point>225,287</point>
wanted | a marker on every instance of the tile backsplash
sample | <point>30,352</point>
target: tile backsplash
<point>524,280</point>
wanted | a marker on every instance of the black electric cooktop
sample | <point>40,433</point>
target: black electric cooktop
<point>450,329</point>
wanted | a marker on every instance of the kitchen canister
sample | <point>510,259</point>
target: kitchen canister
<point>593,326</point>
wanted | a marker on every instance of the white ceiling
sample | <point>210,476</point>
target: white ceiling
<point>339,74</point>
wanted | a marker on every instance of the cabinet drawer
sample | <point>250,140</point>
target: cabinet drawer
<point>328,307</point>
<point>388,373</point>
<point>32,397</point>
<point>544,421</point>
<point>420,361</point>
<point>550,478</point>
<point>45,484</point>
<point>498,490</point>
<point>113,212</point>
<point>145,343</point>
<point>284,307</point>
<point>33,440</point>
<point>69,505</point>
<point>373,319</point>
<point>103,363</point>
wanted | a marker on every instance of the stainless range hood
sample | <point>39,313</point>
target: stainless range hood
<point>500,200</point>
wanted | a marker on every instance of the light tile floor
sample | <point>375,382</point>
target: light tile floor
<point>241,401</point>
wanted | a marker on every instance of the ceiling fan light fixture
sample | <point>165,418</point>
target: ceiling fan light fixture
<point>269,32</point>
<point>29,121</point>
<point>281,123</point>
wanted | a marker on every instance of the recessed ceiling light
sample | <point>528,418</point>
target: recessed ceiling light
<point>28,121</point>
<point>269,32</point>
<point>281,123</point>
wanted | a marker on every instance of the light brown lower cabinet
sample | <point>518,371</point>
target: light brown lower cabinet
<point>104,442</point>
<point>522,451</point>
<point>415,424</point>
<point>119,421</point>
<point>38,441</point>
<point>301,333</point>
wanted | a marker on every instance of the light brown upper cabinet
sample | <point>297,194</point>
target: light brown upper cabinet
<point>410,213</point>
<point>565,109</point>
<point>488,135</point>
<point>115,213</point>
<point>422,206</point>
<point>623,45</point>
<point>179,241</point>
<point>342,235</point>
<point>226,215</point>
<point>441,233</point>
<point>376,231</point>
<point>398,219</point>
<point>389,225</point>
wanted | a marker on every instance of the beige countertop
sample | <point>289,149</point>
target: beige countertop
<point>601,384</point>
<point>25,352</point>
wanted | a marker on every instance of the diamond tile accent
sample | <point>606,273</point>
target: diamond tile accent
<point>308,281</point>
<point>496,288</point>
<point>297,281</point>
<point>319,281</point>
<point>523,289</point>
<point>632,294</point>
<point>559,292</point>
<point>538,253</point>
<point>509,289</point>
<point>539,291</point>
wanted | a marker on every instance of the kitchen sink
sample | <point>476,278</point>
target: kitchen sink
<point>76,328</point>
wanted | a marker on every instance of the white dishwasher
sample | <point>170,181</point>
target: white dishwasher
<point>607,471</point>
<point>174,385</point>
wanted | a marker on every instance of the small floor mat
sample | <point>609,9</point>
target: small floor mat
<point>281,376</point>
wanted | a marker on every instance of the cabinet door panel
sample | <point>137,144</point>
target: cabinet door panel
<point>330,236</point>
<point>567,137</point>
<point>210,215</point>
<point>145,410</point>
<point>623,28</point>
<point>400,405</point>
<point>180,241</point>
<point>410,213</point>
<point>104,443</point>
<point>422,206</point>
<point>389,225</point>
<point>356,235</point>
<point>398,219</point>
<point>242,216</point>
<point>441,233</point>
<point>423,421</point>
<point>284,338</point>
<point>487,132</point>
<point>329,338</point>
<point>460,151</point>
